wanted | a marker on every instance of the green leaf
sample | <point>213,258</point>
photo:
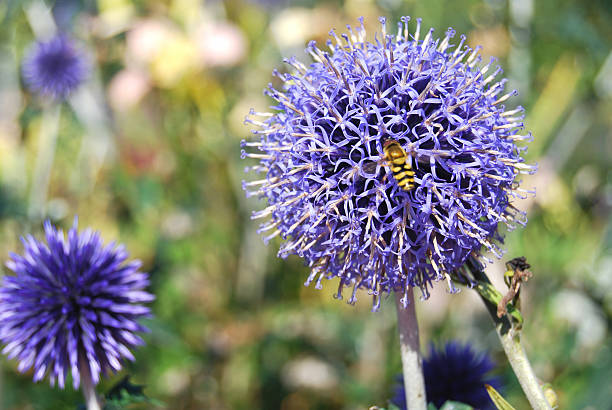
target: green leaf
<point>391,407</point>
<point>455,405</point>
<point>498,400</point>
<point>515,313</point>
<point>508,277</point>
<point>127,395</point>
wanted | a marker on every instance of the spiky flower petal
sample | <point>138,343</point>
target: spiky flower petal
<point>73,300</point>
<point>331,192</point>
<point>54,67</point>
<point>455,372</point>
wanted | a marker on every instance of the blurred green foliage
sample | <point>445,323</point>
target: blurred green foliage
<point>148,153</point>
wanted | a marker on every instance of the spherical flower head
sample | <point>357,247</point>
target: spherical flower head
<point>73,301</point>
<point>455,373</point>
<point>54,67</point>
<point>351,209</point>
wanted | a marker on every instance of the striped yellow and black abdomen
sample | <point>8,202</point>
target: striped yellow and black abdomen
<point>397,160</point>
<point>403,174</point>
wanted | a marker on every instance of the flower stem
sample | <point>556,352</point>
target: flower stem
<point>510,338</point>
<point>44,161</point>
<point>412,365</point>
<point>87,386</point>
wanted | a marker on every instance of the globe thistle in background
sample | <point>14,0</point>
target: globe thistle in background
<point>454,373</point>
<point>54,67</point>
<point>73,301</point>
<point>331,193</point>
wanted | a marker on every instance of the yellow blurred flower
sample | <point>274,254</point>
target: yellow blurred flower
<point>176,57</point>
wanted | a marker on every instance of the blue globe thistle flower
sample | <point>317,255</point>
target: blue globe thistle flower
<point>328,180</point>
<point>454,373</point>
<point>73,301</point>
<point>55,67</point>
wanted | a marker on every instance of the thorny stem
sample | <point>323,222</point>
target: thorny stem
<point>510,338</point>
<point>87,386</point>
<point>412,366</point>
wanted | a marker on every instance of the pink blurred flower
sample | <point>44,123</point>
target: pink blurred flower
<point>127,88</point>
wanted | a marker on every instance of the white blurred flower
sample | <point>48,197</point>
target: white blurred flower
<point>145,39</point>
<point>309,373</point>
<point>294,27</point>
<point>582,314</point>
<point>220,44</point>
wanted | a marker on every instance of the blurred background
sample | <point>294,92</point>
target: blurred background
<point>148,153</point>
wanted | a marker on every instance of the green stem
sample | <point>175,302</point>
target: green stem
<point>412,366</point>
<point>44,161</point>
<point>510,338</point>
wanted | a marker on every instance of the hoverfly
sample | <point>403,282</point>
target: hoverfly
<point>396,159</point>
<point>399,163</point>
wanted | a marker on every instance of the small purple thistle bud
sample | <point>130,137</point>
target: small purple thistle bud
<point>55,67</point>
<point>72,302</point>
<point>454,373</point>
<point>332,193</point>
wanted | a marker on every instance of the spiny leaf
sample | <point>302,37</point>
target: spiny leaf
<point>497,398</point>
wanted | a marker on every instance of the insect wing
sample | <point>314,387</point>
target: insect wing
<point>368,171</point>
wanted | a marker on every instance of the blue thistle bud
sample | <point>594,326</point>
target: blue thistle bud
<point>388,164</point>
<point>72,301</point>
<point>54,68</point>
<point>454,373</point>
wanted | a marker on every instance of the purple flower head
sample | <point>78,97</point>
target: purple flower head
<point>332,193</point>
<point>73,301</point>
<point>454,373</point>
<point>55,67</point>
